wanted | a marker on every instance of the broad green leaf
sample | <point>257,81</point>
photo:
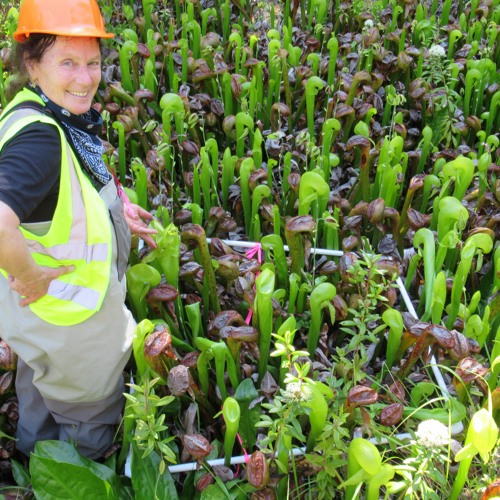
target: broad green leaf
<point>245,394</point>
<point>59,471</point>
<point>147,481</point>
<point>53,480</point>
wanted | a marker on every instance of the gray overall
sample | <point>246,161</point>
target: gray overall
<point>69,379</point>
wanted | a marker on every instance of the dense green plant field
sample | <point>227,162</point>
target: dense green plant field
<point>321,316</point>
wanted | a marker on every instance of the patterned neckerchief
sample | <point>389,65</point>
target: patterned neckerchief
<point>81,132</point>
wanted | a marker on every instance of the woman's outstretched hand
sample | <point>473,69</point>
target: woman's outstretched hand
<point>137,220</point>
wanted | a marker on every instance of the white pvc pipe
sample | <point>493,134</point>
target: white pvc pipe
<point>250,244</point>
<point>190,466</point>
<point>455,429</point>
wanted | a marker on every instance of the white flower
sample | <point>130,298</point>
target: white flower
<point>295,391</point>
<point>369,24</point>
<point>437,51</point>
<point>432,434</point>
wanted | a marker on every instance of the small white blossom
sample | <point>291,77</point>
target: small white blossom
<point>437,51</point>
<point>369,24</point>
<point>295,391</point>
<point>432,434</point>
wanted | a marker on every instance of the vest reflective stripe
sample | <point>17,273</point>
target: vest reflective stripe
<point>66,291</point>
<point>76,296</point>
<point>79,251</point>
<point>13,118</point>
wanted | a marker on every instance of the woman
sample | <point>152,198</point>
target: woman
<point>64,239</point>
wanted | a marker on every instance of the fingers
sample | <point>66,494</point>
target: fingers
<point>141,228</point>
<point>33,290</point>
<point>137,220</point>
<point>27,301</point>
<point>149,241</point>
<point>138,211</point>
<point>28,296</point>
<point>144,233</point>
<point>147,230</point>
<point>59,271</point>
<point>144,214</point>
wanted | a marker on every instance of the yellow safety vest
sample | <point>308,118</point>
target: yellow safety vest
<point>72,298</point>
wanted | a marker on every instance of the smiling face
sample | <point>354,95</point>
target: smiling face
<point>69,72</point>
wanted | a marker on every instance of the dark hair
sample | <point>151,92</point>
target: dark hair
<point>32,49</point>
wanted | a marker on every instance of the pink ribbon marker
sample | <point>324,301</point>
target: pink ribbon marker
<point>249,254</point>
<point>248,319</point>
<point>256,249</point>
<point>245,454</point>
<point>123,195</point>
<point>127,203</point>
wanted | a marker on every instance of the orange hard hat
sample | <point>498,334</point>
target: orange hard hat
<point>60,17</point>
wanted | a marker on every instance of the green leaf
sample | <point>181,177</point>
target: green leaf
<point>20,473</point>
<point>143,329</point>
<point>232,490</point>
<point>140,279</point>
<point>295,430</point>
<point>245,394</point>
<point>167,452</point>
<point>282,466</point>
<point>59,471</point>
<point>147,481</point>
<point>396,486</point>
<point>366,454</point>
<point>495,362</point>
<point>359,477</point>
<point>467,452</point>
<point>483,432</point>
<point>214,492</point>
<point>52,479</point>
<point>421,391</point>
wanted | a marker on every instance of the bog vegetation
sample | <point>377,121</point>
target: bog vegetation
<point>322,311</point>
